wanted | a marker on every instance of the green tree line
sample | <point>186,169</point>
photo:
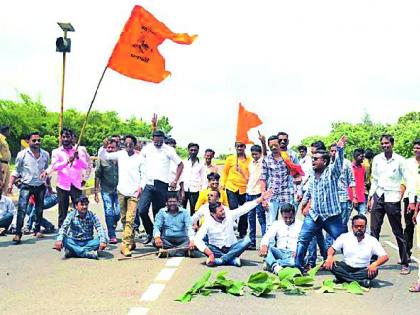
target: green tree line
<point>28,115</point>
<point>366,134</point>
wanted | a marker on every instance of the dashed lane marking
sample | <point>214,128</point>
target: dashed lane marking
<point>165,274</point>
<point>152,292</point>
<point>174,261</point>
<point>138,311</point>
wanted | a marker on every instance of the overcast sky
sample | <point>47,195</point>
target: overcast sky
<point>300,65</point>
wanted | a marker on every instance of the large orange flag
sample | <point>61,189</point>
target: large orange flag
<point>246,121</point>
<point>136,53</point>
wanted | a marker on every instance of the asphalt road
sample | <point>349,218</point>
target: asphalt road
<point>34,279</point>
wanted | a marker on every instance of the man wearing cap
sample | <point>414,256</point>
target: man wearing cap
<point>5,156</point>
<point>76,234</point>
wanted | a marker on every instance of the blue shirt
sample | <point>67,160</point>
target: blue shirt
<point>277,177</point>
<point>81,229</point>
<point>323,191</point>
<point>173,225</point>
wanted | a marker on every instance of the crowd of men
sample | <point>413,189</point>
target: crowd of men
<point>224,203</point>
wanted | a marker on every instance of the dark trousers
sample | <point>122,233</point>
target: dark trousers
<point>25,192</point>
<point>409,227</point>
<point>345,273</point>
<point>393,212</point>
<point>6,221</point>
<point>235,199</point>
<point>152,194</point>
<point>192,198</point>
<point>63,201</point>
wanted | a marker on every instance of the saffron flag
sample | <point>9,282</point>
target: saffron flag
<point>246,121</point>
<point>294,169</point>
<point>136,53</point>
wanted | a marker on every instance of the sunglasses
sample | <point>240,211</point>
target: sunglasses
<point>316,158</point>
<point>240,145</point>
<point>36,140</point>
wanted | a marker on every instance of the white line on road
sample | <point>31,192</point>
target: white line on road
<point>390,244</point>
<point>174,261</point>
<point>165,274</point>
<point>152,292</point>
<point>138,311</point>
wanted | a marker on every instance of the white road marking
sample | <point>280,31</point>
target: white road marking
<point>138,311</point>
<point>390,244</point>
<point>174,261</point>
<point>165,274</point>
<point>152,292</point>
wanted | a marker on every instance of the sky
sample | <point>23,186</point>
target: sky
<point>300,65</point>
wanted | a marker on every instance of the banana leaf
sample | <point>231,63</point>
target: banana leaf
<point>227,285</point>
<point>303,281</point>
<point>289,273</point>
<point>261,283</point>
<point>328,286</point>
<point>195,289</point>
<point>353,287</point>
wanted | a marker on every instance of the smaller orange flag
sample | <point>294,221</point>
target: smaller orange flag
<point>246,121</point>
<point>294,169</point>
<point>136,53</point>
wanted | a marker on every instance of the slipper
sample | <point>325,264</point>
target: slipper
<point>405,270</point>
<point>415,287</point>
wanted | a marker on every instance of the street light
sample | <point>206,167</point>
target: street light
<point>63,45</point>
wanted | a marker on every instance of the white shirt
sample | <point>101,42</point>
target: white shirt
<point>221,234</point>
<point>128,171</point>
<point>193,176</point>
<point>203,211</point>
<point>358,254</point>
<point>255,168</point>
<point>306,164</point>
<point>287,235</point>
<point>387,177</point>
<point>156,163</point>
<point>413,179</point>
<point>6,207</point>
<point>172,175</point>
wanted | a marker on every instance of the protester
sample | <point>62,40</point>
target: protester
<point>358,198</point>
<point>76,234</point>
<point>358,249</point>
<point>7,211</point>
<point>5,157</point>
<point>193,177</point>
<point>367,164</point>
<point>30,167</point>
<point>286,232</point>
<point>203,212</point>
<point>69,164</point>
<point>179,189</point>
<point>129,185</point>
<point>106,177</point>
<point>173,228</point>
<point>50,200</point>
<point>386,193</point>
<point>86,172</point>
<point>222,247</point>
<point>156,158</point>
<point>325,206</point>
<point>253,191</point>
<point>305,162</point>
<point>213,185</point>
<point>234,179</point>
<point>209,166</point>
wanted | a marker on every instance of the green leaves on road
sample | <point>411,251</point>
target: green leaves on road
<point>328,286</point>
<point>226,285</point>
<point>196,288</point>
<point>261,283</point>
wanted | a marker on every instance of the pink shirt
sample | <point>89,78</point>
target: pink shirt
<point>68,174</point>
<point>359,176</point>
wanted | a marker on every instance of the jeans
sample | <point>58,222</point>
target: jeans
<point>50,200</point>
<point>333,225</point>
<point>346,208</point>
<point>63,201</point>
<point>24,194</point>
<point>346,273</point>
<point>281,257</point>
<point>311,255</point>
<point>259,212</point>
<point>6,221</point>
<point>81,249</point>
<point>227,254</point>
<point>361,208</point>
<point>235,199</point>
<point>112,211</point>
<point>152,194</point>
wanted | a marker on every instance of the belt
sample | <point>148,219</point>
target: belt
<point>4,161</point>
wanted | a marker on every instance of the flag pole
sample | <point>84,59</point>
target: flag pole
<point>90,107</point>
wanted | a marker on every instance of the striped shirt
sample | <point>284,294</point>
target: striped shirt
<point>323,191</point>
<point>276,175</point>
<point>81,229</point>
<point>346,180</point>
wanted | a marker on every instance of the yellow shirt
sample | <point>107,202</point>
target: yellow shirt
<point>5,154</point>
<point>203,198</point>
<point>231,178</point>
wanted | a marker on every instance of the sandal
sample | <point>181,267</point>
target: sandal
<point>405,270</point>
<point>415,287</point>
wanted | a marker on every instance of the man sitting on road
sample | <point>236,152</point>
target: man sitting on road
<point>7,211</point>
<point>173,229</point>
<point>223,248</point>
<point>358,249</point>
<point>286,231</point>
<point>76,233</point>
<point>204,212</point>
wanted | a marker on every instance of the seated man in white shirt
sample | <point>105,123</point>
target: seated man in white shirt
<point>358,249</point>
<point>286,231</point>
<point>7,211</point>
<point>204,212</point>
<point>223,248</point>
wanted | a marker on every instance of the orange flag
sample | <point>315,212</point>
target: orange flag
<point>246,121</point>
<point>295,169</point>
<point>136,53</point>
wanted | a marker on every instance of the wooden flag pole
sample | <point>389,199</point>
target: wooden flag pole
<point>90,107</point>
